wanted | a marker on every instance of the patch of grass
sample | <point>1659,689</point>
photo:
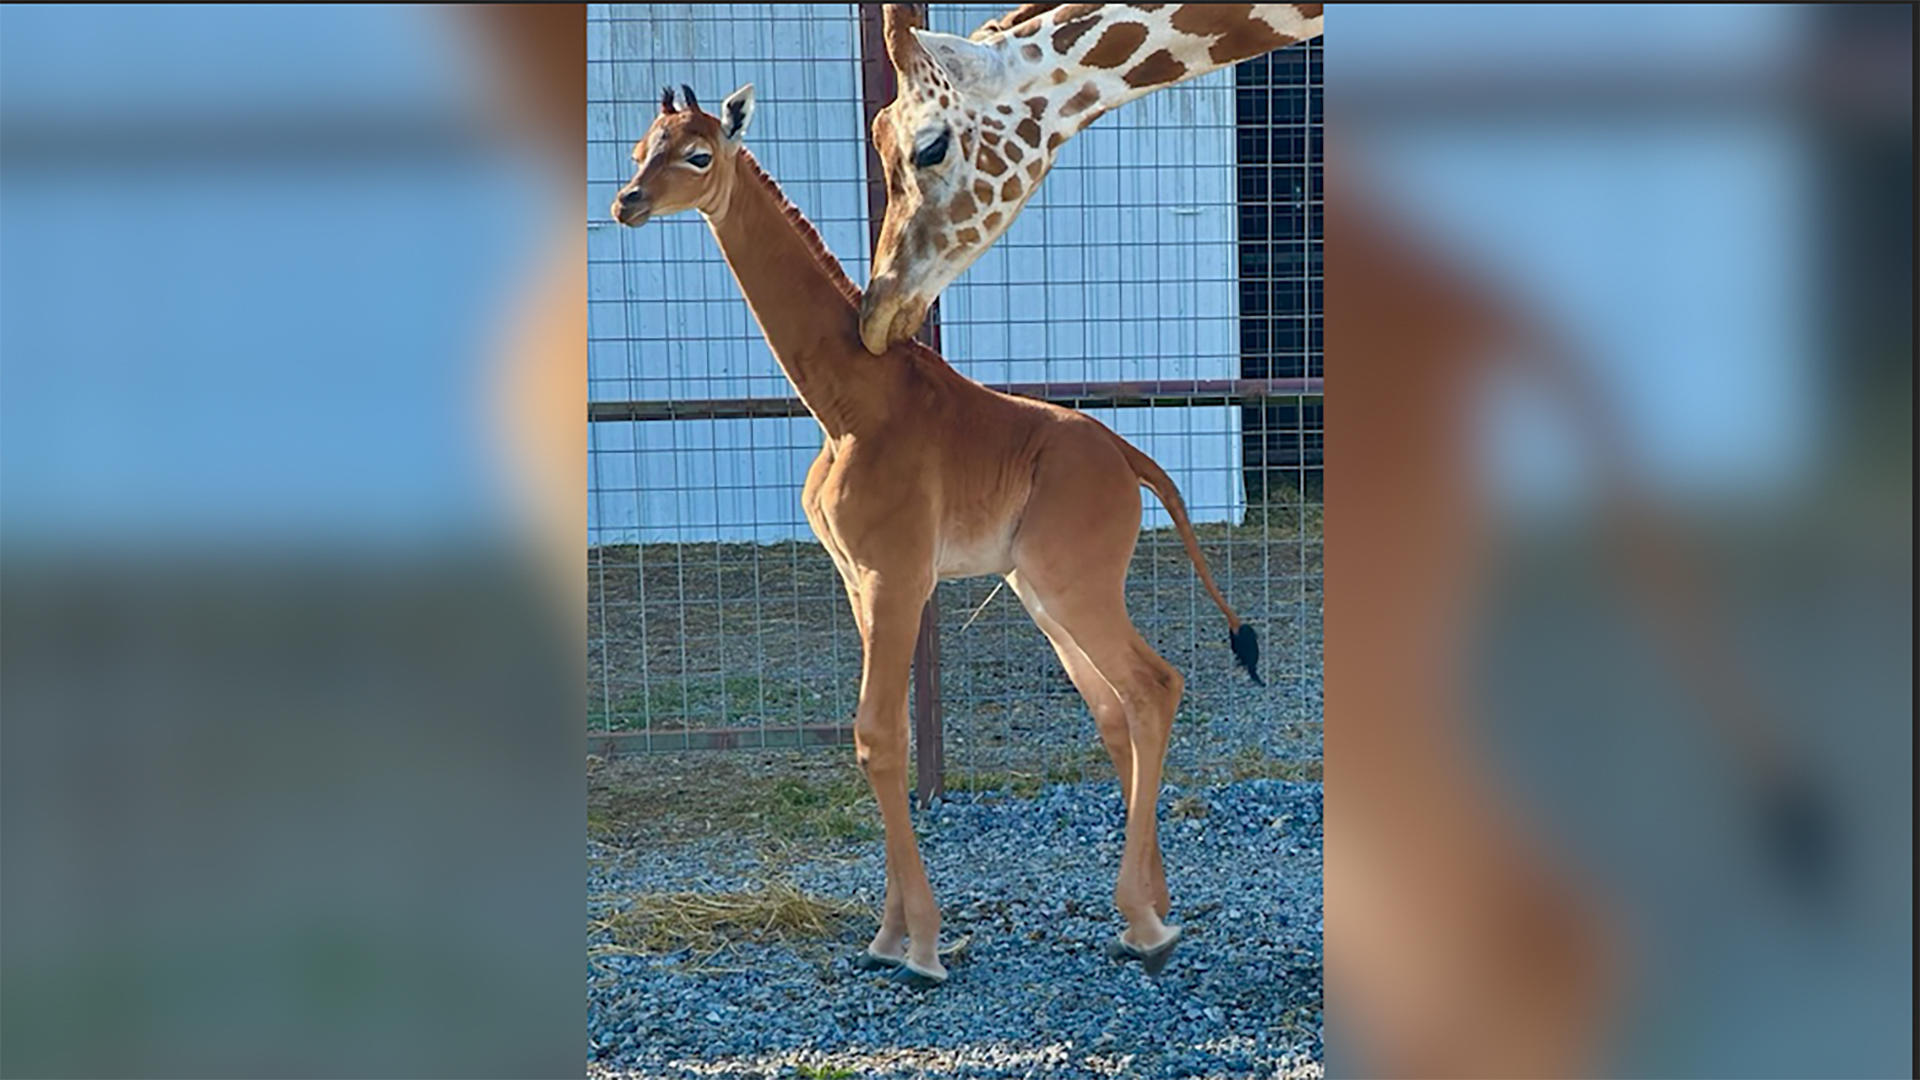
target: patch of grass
<point>839,810</point>
<point>1017,784</point>
<point>1188,806</point>
<point>823,1072</point>
<point>1290,519</point>
<point>631,802</point>
<point>617,811</point>
<point>1255,763</point>
<point>673,703</point>
<point>656,923</point>
<point>1071,769</point>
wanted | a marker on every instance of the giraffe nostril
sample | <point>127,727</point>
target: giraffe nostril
<point>629,196</point>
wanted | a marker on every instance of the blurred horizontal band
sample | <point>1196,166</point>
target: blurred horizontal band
<point>41,138</point>
<point>1865,83</point>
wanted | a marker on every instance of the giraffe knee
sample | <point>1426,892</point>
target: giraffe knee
<point>878,745</point>
<point>1173,684</point>
<point>1111,718</point>
<point>1158,686</point>
<point>1154,696</point>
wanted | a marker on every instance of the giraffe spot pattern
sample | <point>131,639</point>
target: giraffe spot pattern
<point>1253,39</point>
<point>1210,20</point>
<point>1011,148</point>
<point>1236,33</point>
<point>1081,98</point>
<point>967,237</point>
<point>1119,42</point>
<point>962,208</point>
<point>1010,191</point>
<point>990,162</point>
<point>1070,33</point>
<point>1029,131</point>
<point>1072,30</point>
<point>992,220</point>
<point>1030,52</point>
<point>1159,68</point>
<point>982,191</point>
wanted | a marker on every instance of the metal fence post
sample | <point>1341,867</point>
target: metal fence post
<point>876,90</point>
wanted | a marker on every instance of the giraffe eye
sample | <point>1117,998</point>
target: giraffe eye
<point>700,159</point>
<point>933,153</point>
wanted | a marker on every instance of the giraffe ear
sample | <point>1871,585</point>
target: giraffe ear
<point>968,64</point>
<point>735,113</point>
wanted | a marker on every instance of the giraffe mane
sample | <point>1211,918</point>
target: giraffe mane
<point>818,247</point>
<point>1011,19</point>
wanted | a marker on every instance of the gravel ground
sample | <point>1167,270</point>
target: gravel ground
<point>1028,881</point>
<point>1022,853</point>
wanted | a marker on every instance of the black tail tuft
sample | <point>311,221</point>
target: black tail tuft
<point>1246,649</point>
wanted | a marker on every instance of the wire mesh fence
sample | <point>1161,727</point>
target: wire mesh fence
<point>1165,279</point>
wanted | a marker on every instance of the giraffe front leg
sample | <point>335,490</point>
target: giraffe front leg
<point>888,949</point>
<point>891,623</point>
<point>889,945</point>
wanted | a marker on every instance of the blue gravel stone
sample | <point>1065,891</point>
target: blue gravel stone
<point>1031,881</point>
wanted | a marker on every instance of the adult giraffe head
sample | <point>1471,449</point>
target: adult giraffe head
<point>950,189</point>
<point>976,121</point>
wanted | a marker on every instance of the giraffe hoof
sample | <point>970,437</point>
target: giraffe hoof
<point>873,961</point>
<point>1153,961</point>
<point>908,975</point>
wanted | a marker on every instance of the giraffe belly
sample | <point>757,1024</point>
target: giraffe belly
<point>974,557</point>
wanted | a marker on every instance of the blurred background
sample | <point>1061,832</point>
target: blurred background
<point>291,651</point>
<point>292,748</point>
<point>1708,211</point>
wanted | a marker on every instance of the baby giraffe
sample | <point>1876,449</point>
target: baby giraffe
<point>925,475</point>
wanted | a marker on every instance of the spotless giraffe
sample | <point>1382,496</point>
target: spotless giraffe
<point>925,475</point>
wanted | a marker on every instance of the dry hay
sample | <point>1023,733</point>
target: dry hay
<point>706,922</point>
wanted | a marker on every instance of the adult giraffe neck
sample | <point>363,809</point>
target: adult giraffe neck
<point>1092,58</point>
<point>806,306</point>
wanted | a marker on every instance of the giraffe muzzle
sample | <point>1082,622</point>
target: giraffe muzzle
<point>630,209</point>
<point>888,318</point>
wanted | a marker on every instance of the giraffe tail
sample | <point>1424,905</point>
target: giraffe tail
<point>1240,636</point>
